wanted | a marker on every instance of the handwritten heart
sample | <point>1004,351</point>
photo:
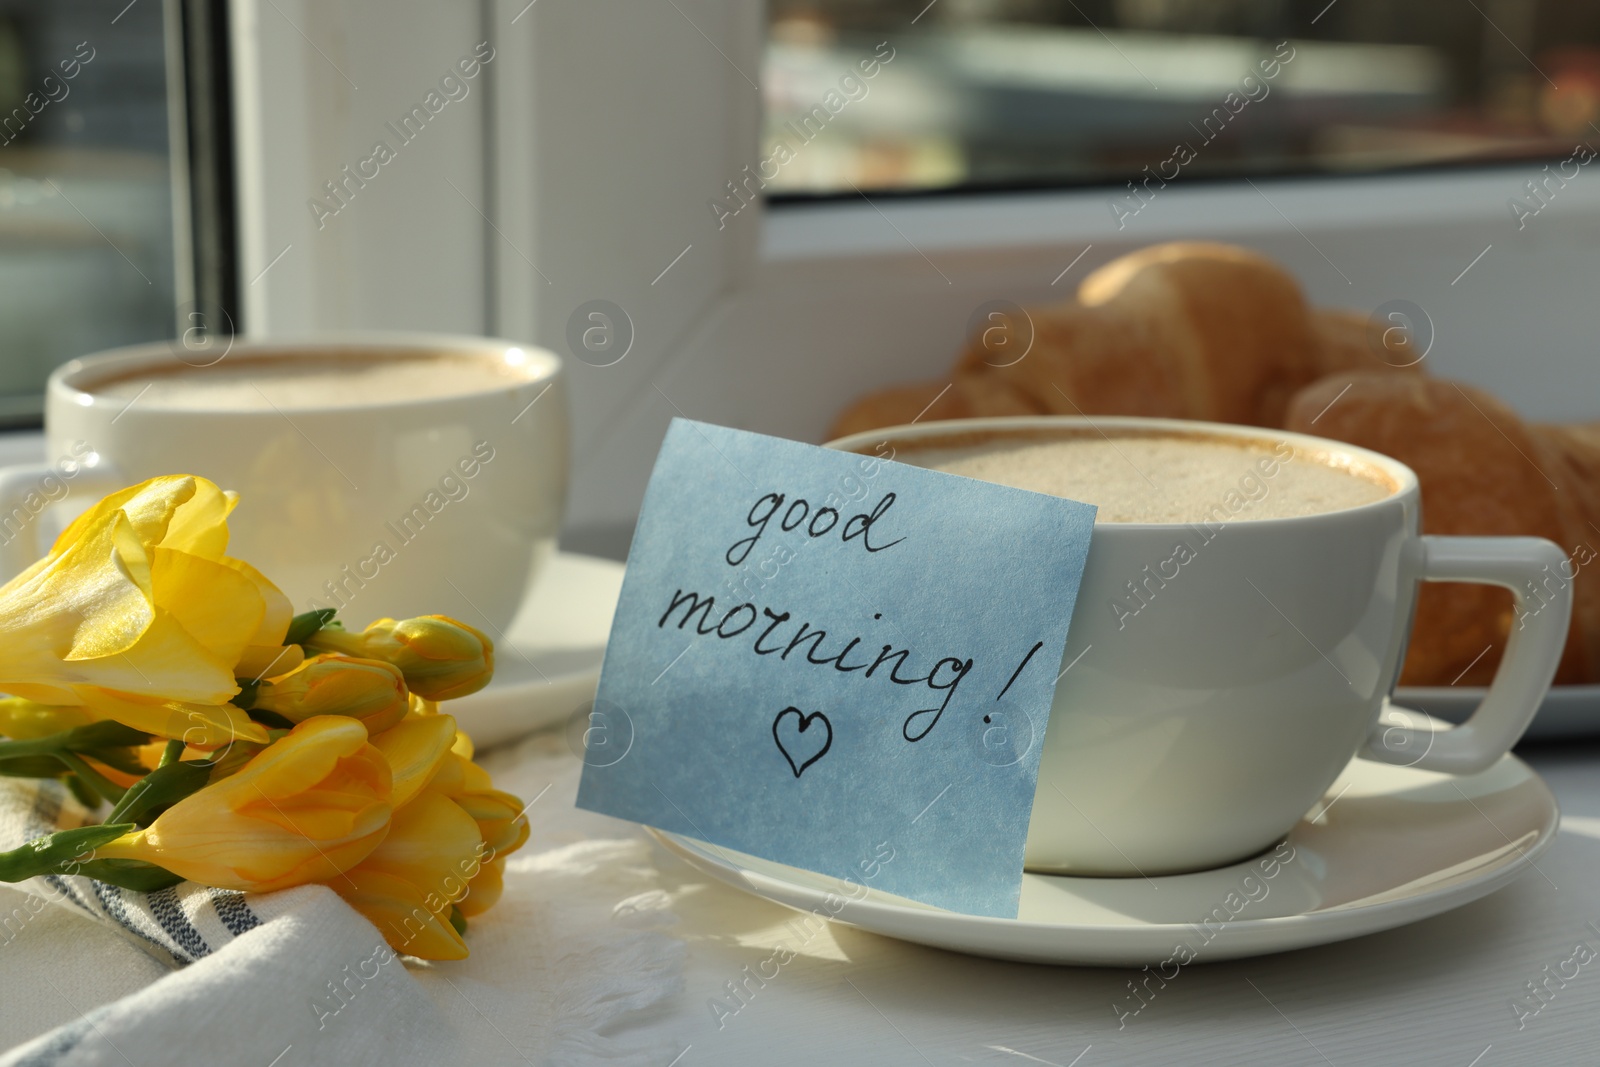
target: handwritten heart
<point>799,743</point>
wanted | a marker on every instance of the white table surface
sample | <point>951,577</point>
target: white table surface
<point>1437,992</point>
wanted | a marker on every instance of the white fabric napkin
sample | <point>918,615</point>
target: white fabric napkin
<point>565,969</point>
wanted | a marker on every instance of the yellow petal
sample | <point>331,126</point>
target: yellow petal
<point>165,660</point>
<point>463,746</point>
<point>399,910</point>
<point>178,511</point>
<point>208,725</point>
<point>26,576</point>
<point>268,661</point>
<point>457,776</point>
<point>149,506</point>
<point>484,891</point>
<point>284,770</point>
<point>199,526</point>
<point>432,844</point>
<point>220,607</point>
<point>219,852</point>
<point>102,583</point>
<point>275,619</point>
<point>87,618</point>
<point>415,749</point>
<point>492,805</point>
<point>504,836</point>
<point>43,694</point>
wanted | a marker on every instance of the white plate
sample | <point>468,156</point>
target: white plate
<point>1387,846</point>
<point>1567,710</point>
<point>547,662</point>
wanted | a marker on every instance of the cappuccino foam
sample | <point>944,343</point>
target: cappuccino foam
<point>263,383</point>
<point>1155,478</point>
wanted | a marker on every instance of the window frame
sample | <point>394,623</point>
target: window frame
<point>777,318</point>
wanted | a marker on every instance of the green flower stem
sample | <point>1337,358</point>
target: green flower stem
<point>245,698</point>
<point>63,852</point>
<point>95,735</point>
<point>159,790</point>
<point>171,753</point>
<point>33,767</point>
<point>91,777</point>
<point>330,640</point>
<point>129,874</point>
<point>302,626</point>
<point>83,793</point>
<point>119,811</point>
<point>39,746</point>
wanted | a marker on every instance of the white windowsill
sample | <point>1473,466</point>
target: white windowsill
<point>1212,209</point>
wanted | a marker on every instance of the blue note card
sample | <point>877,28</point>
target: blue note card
<point>837,662</point>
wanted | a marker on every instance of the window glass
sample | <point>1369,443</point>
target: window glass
<point>86,187</point>
<point>912,96</point>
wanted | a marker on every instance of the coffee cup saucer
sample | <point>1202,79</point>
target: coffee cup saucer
<point>1386,846</point>
<point>547,661</point>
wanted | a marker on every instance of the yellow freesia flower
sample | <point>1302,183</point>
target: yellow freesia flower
<point>309,807</point>
<point>138,615</point>
<point>409,884</point>
<point>441,658</point>
<point>164,515</point>
<point>446,849</point>
<point>334,684</point>
<point>501,819</point>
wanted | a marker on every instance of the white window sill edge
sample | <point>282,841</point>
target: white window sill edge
<point>797,232</point>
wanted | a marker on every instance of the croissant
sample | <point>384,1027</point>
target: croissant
<point>1482,470</point>
<point>1209,331</point>
<point>1188,330</point>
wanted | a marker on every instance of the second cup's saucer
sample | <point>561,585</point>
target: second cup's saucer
<point>547,663</point>
<point>1385,847</point>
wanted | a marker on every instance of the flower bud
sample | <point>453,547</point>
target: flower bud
<point>24,720</point>
<point>409,884</point>
<point>333,684</point>
<point>441,658</point>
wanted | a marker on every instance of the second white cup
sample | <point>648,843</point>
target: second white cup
<point>440,501</point>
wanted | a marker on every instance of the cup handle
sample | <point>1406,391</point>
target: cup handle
<point>1532,652</point>
<point>20,528</point>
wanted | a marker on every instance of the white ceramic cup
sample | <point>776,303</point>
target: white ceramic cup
<point>424,505</point>
<point>1198,731</point>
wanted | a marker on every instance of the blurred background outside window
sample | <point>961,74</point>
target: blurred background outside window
<point>98,186</point>
<point>1000,94</point>
<point>116,221</point>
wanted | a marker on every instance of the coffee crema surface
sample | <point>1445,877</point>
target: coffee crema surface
<point>264,383</point>
<point>1152,478</point>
